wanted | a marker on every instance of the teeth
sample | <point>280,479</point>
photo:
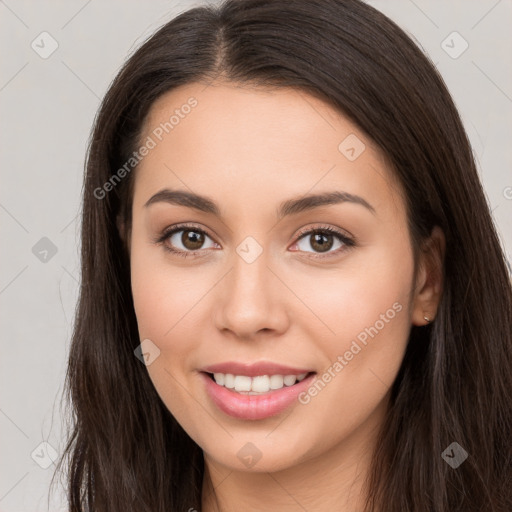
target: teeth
<point>276,382</point>
<point>290,380</point>
<point>256,385</point>
<point>260,383</point>
<point>243,383</point>
<point>229,381</point>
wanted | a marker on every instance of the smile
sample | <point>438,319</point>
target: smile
<point>256,385</point>
<point>256,398</point>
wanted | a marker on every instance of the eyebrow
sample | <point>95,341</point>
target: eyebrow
<point>289,207</point>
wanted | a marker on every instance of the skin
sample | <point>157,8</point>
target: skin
<point>248,150</point>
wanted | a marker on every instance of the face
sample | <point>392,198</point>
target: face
<point>263,275</point>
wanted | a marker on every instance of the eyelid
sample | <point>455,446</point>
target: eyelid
<point>324,227</point>
<point>182,226</point>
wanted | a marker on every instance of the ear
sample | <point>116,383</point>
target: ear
<point>124,233</point>
<point>121,228</point>
<point>429,280</point>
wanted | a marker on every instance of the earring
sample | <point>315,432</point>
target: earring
<point>427,319</point>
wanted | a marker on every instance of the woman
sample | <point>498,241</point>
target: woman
<point>293,296</point>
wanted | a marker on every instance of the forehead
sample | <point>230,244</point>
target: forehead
<point>257,144</point>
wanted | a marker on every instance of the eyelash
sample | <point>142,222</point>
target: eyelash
<point>347,242</point>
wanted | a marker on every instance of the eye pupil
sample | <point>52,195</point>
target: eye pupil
<point>322,242</point>
<point>192,239</point>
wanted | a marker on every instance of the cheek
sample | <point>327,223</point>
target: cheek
<point>363,326</point>
<point>164,298</point>
<point>164,294</point>
<point>369,289</point>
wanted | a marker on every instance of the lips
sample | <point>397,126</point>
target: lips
<point>255,369</point>
<point>254,406</point>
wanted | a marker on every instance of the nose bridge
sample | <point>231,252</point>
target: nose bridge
<point>250,270</point>
<point>249,301</point>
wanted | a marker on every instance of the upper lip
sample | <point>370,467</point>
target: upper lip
<point>254,369</point>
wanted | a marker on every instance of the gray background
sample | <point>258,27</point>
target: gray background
<point>47,109</point>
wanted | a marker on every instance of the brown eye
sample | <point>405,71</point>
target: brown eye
<point>321,242</point>
<point>192,240</point>
<point>183,240</point>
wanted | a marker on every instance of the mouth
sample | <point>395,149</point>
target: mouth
<point>256,385</point>
<point>255,397</point>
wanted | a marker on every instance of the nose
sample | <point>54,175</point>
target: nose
<point>251,300</point>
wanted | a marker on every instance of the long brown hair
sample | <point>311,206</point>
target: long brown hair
<point>125,450</point>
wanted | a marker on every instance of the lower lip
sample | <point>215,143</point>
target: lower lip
<point>254,407</point>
